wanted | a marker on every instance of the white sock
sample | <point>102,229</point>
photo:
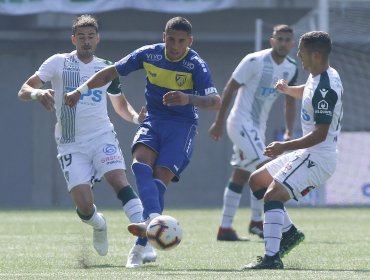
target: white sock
<point>231,204</point>
<point>287,222</point>
<point>272,226</point>
<point>134,210</point>
<point>96,221</point>
<point>256,208</point>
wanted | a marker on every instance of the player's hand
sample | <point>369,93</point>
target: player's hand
<point>46,98</point>
<point>274,149</point>
<point>71,98</point>
<point>216,131</point>
<point>142,114</point>
<point>175,98</point>
<point>282,86</point>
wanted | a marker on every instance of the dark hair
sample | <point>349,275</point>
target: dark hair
<point>85,21</point>
<point>179,23</point>
<point>281,28</point>
<point>317,41</point>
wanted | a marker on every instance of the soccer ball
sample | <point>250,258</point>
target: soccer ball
<point>164,232</point>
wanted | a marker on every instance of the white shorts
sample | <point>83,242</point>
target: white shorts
<point>87,162</point>
<point>298,172</point>
<point>248,146</point>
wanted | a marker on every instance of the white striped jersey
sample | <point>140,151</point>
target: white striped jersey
<point>322,104</point>
<point>89,118</point>
<point>258,73</point>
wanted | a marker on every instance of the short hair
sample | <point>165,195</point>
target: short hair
<point>281,28</point>
<point>317,41</point>
<point>180,24</point>
<point>85,21</point>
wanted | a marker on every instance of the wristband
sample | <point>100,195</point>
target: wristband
<point>83,89</point>
<point>33,94</point>
<point>135,119</point>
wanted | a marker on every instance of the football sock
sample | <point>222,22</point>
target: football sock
<point>161,190</point>
<point>95,220</point>
<point>231,201</point>
<point>147,188</point>
<point>287,222</point>
<point>131,204</point>
<point>256,208</point>
<point>141,241</point>
<point>274,220</point>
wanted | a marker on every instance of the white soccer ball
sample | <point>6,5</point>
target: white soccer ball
<point>164,232</point>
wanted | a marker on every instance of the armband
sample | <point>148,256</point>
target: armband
<point>83,89</point>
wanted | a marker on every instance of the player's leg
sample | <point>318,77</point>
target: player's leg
<point>231,201</point>
<point>78,173</point>
<point>248,156</point>
<point>274,199</point>
<point>83,199</point>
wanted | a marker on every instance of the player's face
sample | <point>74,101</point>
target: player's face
<point>176,42</point>
<point>86,40</point>
<point>305,56</point>
<point>282,43</point>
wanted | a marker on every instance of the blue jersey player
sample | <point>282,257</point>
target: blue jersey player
<point>178,81</point>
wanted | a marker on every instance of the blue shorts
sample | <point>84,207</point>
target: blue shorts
<point>173,141</point>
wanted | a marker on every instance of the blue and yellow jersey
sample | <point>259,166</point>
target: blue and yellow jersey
<point>190,74</point>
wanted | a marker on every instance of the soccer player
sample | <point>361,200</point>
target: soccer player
<point>313,157</point>
<point>177,82</point>
<point>253,82</point>
<point>86,140</point>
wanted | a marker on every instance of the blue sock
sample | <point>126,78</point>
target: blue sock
<point>161,189</point>
<point>147,188</point>
<point>142,241</point>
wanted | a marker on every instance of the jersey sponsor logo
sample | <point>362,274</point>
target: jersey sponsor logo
<point>323,108</point>
<point>268,92</point>
<point>154,57</point>
<point>305,115</point>
<point>210,90</point>
<point>95,94</point>
<point>188,65</point>
<point>323,92</point>
<point>109,149</point>
<point>111,159</point>
<point>70,64</point>
<point>180,79</point>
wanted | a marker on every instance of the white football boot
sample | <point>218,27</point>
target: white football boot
<point>100,238</point>
<point>150,255</point>
<point>135,257</point>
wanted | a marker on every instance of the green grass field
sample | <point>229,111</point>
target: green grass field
<point>54,244</point>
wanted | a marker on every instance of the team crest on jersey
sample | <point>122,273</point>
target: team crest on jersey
<point>180,79</point>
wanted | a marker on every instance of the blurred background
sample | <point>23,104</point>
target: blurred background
<point>224,32</point>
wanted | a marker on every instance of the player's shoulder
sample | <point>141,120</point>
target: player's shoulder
<point>194,57</point>
<point>150,48</point>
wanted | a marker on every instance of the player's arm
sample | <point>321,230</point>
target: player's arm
<point>99,79</point>
<point>125,110</point>
<point>294,91</point>
<point>315,137</point>
<point>30,90</point>
<point>216,129</point>
<point>289,114</point>
<point>178,98</point>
